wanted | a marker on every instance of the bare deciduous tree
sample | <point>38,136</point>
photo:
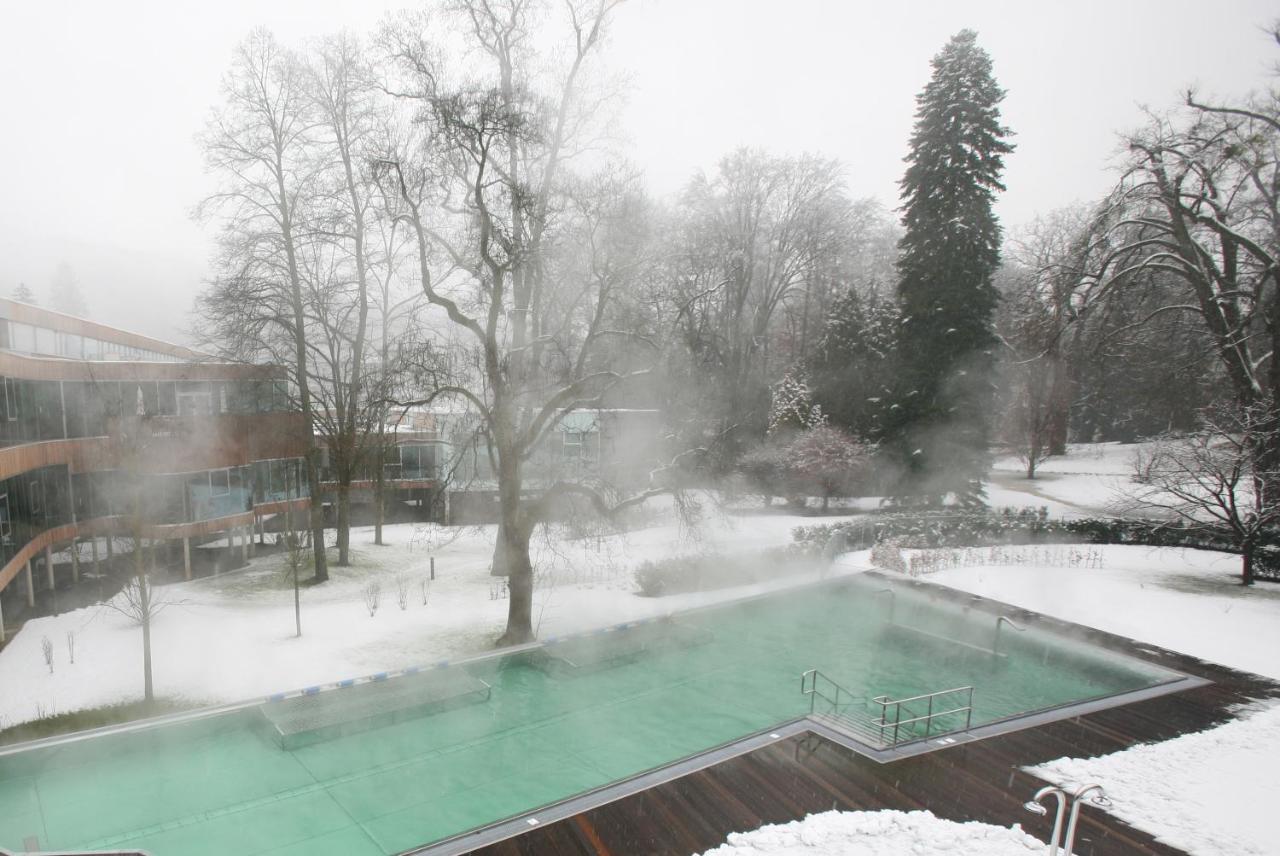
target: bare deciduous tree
<point>542,343</point>
<point>1214,479</point>
<point>260,142</point>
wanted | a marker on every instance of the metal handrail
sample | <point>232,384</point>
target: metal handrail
<point>885,703</point>
<point>809,685</point>
<point>922,696</point>
<point>1000,622</point>
<point>893,601</point>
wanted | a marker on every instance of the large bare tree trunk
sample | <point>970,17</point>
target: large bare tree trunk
<point>513,548</point>
<point>144,601</point>
<point>379,479</point>
<point>344,523</point>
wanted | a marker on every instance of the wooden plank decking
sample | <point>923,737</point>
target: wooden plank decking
<point>980,781</point>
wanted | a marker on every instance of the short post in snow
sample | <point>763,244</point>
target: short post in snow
<point>433,567</point>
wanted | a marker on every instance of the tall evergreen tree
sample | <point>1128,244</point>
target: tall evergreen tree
<point>950,249</point>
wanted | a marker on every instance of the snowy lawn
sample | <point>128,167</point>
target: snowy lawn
<point>878,833</point>
<point>231,638</point>
<point>1089,481</point>
<point>1184,600</point>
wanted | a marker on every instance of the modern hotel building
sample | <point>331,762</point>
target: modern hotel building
<point>221,448</point>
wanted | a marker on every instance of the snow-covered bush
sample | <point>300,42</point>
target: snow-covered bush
<point>764,469</point>
<point>707,572</point>
<point>826,461</point>
<point>888,555</point>
<point>46,649</point>
<point>372,594</point>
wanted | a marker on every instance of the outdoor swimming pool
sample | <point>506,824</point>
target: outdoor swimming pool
<point>551,723</point>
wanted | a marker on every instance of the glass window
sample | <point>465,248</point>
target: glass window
<point>150,402</point>
<point>46,341</point>
<point>219,482</point>
<point>6,528</point>
<point>10,399</point>
<point>193,399</point>
<point>70,345</point>
<point>23,336</point>
<point>167,398</point>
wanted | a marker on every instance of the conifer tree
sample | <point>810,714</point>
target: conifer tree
<point>23,294</point>
<point>792,408</point>
<point>947,255</point>
<point>852,366</point>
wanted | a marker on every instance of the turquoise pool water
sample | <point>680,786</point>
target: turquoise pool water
<point>574,717</point>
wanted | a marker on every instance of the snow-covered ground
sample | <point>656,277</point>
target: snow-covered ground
<point>231,638</point>
<point>1185,600</point>
<point>1206,793</point>
<point>1090,480</point>
<point>878,833</point>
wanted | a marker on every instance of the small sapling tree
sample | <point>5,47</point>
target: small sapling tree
<point>297,557</point>
<point>372,594</point>
<point>402,591</point>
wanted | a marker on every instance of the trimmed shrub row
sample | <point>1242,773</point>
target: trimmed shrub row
<point>706,572</point>
<point>1027,526</point>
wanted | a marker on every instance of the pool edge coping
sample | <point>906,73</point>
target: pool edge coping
<point>465,842</point>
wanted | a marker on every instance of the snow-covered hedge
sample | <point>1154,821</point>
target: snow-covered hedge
<point>707,572</point>
<point>1027,526</point>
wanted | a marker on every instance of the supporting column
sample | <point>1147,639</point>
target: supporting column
<point>94,548</point>
<point>186,556</point>
<point>31,587</point>
<point>48,565</point>
<point>248,540</point>
<point>75,561</point>
<point>245,538</point>
<point>110,548</point>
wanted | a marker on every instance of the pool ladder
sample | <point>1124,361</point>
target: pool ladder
<point>889,728</point>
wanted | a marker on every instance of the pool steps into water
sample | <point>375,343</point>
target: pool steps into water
<point>853,714</point>
<point>310,718</point>
<point>584,655</point>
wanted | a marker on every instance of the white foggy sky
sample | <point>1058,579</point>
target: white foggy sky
<point>101,102</point>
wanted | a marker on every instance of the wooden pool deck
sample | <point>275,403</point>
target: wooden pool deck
<point>981,781</point>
